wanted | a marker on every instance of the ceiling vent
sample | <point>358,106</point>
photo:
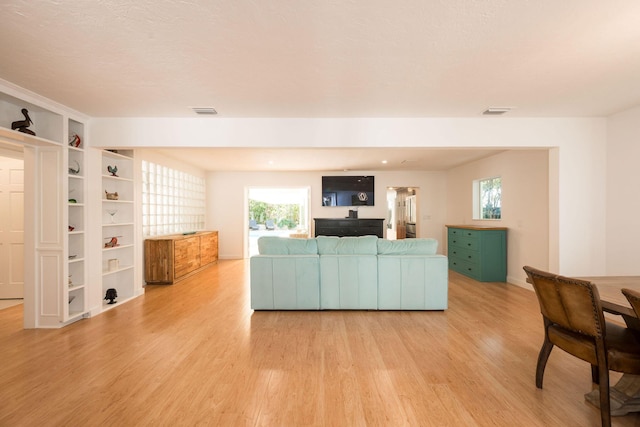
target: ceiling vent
<point>496,111</point>
<point>205,111</point>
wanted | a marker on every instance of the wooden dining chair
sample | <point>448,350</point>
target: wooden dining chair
<point>634,299</point>
<point>574,321</point>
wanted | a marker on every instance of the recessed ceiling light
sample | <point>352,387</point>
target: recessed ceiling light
<point>384,162</point>
<point>496,111</point>
<point>207,111</point>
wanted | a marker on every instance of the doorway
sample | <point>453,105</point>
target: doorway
<point>402,212</point>
<point>11,226</point>
<point>276,211</point>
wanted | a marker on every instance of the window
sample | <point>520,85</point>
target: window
<point>172,201</point>
<point>487,198</point>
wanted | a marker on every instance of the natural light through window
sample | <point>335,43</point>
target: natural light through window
<point>172,201</point>
<point>487,198</point>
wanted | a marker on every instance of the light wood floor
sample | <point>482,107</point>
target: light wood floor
<point>195,354</point>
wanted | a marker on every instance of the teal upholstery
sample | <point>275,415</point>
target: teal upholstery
<point>348,272</point>
<point>362,245</point>
<point>411,276</point>
<point>407,247</point>
<point>273,245</point>
<point>361,273</point>
<point>286,274</point>
<point>412,282</point>
<point>285,282</point>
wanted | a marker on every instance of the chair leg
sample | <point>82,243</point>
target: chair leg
<point>605,402</point>
<point>595,374</point>
<point>543,356</point>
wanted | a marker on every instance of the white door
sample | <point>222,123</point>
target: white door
<point>11,228</point>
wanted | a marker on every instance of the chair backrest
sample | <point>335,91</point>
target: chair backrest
<point>634,299</point>
<point>573,304</point>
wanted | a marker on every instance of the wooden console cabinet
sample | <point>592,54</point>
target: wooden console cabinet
<point>168,259</point>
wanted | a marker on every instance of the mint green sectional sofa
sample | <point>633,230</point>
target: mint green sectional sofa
<point>348,273</point>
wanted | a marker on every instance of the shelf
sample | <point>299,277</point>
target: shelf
<point>117,178</point>
<point>75,205</point>
<point>14,136</point>
<point>118,270</point>
<point>74,260</point>
<point>117,201</point>
<point>117,224</point>
<point>76,287</point>
<point>119,156</point>
<point>117,247</point>
<point>75,232</point>
<point>119,301</point>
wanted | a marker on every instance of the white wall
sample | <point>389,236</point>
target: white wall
<point>623,193</point>
<point>577,212</point>
<point>227,211</point>
<point>525,205</point>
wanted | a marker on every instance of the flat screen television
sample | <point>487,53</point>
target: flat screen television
<point>348,191</point>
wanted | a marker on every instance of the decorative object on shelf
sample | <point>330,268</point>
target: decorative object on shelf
<point>111,196</point>
<point>22,125</point>
<point>111,295</point>
<point>70,281</point>
<point>74,140</point>
<point>73,201</point>
<point>112,212</point>
<point>113,170</point>
<point>71,298</point>
<point>71,228</point>
<point>114,264</point>
<point>112,243</point>
<point>72,256</point>
<point>75,171</point>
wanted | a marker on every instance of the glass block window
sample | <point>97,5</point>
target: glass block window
<point>172,201</point>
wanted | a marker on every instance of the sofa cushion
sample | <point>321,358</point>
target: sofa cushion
<point>361,245</point>
<point>407,247</point>
<point>273,245</point>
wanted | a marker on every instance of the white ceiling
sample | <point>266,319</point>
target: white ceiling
<point>327,159</point>
<point>330,58</point>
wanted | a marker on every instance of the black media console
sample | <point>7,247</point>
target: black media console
<point>349,227</point>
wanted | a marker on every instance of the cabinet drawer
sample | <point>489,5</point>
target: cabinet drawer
<point>466,255</point>
<point>473,234</point>
<point>466,268</point>
<point>464,242</point>
<point>455,232</point>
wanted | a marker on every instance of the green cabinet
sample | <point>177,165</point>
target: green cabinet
<point>478,252</point>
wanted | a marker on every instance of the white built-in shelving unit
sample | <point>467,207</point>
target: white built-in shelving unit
<point>118,226</point>
<point>66,221</point>
<point>75,297</point>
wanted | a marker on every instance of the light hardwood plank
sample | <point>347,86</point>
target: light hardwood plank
<point>194,353</point>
